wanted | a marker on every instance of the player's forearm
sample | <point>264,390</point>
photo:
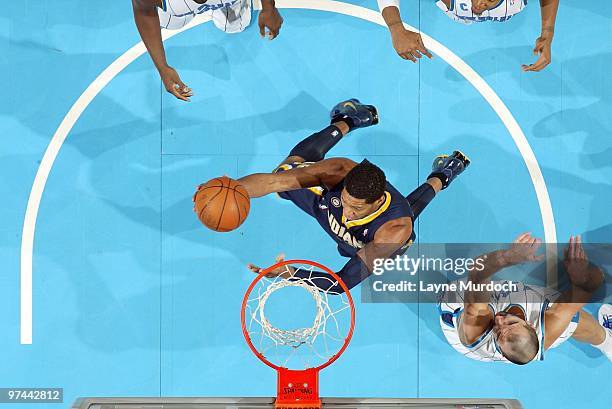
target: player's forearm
<point>147,22</point>
<point>489,264</point>
<point>549,10</point>
<point>261,184</point>
<point>584,289</point>
<point>258,184</point>
<point>353,273</point>
<point>391,15</point>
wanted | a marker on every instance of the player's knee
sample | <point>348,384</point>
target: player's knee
<point>309,152</point>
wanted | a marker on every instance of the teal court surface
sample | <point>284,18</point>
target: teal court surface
<point>132,296</point>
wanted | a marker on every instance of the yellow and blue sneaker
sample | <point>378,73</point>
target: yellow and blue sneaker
<point>354,114</point>
<point>447,168</point>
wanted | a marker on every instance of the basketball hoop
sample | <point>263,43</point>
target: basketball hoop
<point>300,353</point>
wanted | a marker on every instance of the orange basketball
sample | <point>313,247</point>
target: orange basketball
<point>221,204</point>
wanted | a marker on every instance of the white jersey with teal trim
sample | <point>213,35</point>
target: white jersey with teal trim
<point>461,11</point>
<point>231,16</point>
<point>532,300</point>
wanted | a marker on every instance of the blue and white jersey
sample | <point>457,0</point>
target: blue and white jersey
<point>461,11</point>
<point>231,16</point>
<point>532,300</point>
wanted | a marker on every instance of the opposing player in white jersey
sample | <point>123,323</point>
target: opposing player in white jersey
<point>230,16</point>
<point>520,322</point>
<point>409,45</point>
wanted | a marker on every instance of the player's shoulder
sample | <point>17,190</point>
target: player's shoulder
<point>339,165</point>
<point>447,3</point>
<point>396,230</point>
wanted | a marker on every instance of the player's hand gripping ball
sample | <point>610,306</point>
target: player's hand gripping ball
<point>222,204</point>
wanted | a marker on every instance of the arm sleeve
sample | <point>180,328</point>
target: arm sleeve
<point>353,273</point>
<point>382,4</point>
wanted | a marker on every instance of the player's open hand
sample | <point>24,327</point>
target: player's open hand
<point>581,272</point>
<point>174,85</point>
<point>542,48</point>
<point>523,250</point>
<point>285,271</point>
<point>270,20</point>
<point>575,259</point>
<point>408,44</point>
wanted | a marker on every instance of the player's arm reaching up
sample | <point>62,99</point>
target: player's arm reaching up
<point>585,278</point>
<point>477,316</point>
<point>328,173</point>
<point>408,44</point>
<point>543,43</point>
<point>390,237</point>
<point>147,22</point>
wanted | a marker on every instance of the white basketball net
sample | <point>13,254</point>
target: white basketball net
<point>323,338</point>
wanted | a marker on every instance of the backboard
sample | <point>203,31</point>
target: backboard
<point>268,403</point>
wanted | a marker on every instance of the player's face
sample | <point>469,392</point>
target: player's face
<point>480,6</point>
<point>507,326</point>
<point>353,208</point>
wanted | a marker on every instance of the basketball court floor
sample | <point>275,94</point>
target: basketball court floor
<point>132,296</point>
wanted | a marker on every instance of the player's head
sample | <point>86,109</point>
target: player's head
<point>480,6</point>
<point>364,190</point>
<point>515,338</point>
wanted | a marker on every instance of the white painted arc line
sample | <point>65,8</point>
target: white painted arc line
<point>29,227</point>
<point>44,169</point>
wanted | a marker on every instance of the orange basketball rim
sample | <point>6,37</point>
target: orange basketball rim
<point>298,387</point>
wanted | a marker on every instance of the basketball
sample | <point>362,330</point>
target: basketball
<point>222,204</point>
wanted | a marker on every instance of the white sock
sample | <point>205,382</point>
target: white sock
<point>606,345</point>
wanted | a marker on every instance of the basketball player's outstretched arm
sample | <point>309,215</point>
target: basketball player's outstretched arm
<point>585,279</point>
<point>147,22</point>
<point>328,173</point>
<point>389,238</point>
<point>477,317</point>
<point>408,44</point>
<point>543,45</point>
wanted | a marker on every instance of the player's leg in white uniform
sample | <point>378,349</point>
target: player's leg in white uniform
<point>234,16</point>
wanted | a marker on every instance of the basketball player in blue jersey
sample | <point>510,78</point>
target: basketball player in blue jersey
<point>520,323</point>
<point>357,207</point>
<point>230,16</point>
<point>409,45</point>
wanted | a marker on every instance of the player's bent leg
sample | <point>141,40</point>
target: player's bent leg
<point>345,116</point>
<point>420,198</point>
<point>596,333</point>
